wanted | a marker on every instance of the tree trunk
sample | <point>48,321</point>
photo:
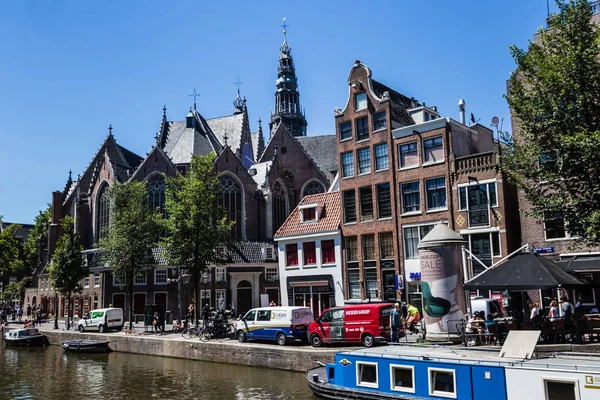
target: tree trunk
<point>198,304</point>
<point>68,310</point>
<point>130,304</point>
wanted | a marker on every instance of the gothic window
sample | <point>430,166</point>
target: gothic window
<point>313,187</point>
<point>279,206</point>
<point>103,212</point>
<point>232,204</point>
<point>156,192</point>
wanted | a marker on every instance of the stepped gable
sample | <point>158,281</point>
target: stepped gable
<point>399,103</point>
<point>328,221</point>
<point>323,151</point>
<point>183,141</point>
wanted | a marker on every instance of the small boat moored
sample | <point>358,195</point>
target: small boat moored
<point>86,346</point>
<point>25,337</point>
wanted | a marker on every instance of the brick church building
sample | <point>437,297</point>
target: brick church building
<point>261,182</point>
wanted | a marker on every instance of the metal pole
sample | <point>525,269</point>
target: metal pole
<point>179,291</point>
<point>55,310</point>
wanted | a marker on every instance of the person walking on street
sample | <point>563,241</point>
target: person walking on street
<point>396,322</point>
<point>156,322</point>
<point>19,312</point>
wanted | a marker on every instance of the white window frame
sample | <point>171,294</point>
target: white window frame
<point>425,163</point>
<point>357,98</point>
<point>367,384</point>
<point>439,393</point>
<point>86,282</point>
<point>402,204</point>
<point>140,282</point>
<point>206,294</point>
<point>546,379</point>
<point>428,209</point>
<point>166,275</point>
<point>222,292</point>
<point>410,166</point>
<point>97,277</point>
<point>567,236</point>
<point>400,388</point>
<point>220,275</point>
<point>273,273</point>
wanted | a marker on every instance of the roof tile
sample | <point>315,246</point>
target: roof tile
<point>329,220</point>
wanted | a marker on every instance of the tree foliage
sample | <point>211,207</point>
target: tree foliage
<point>9,250</point>
<point>554,96</point>
<point>133,231</point>
<point>197,227</point>
<point>68,266</point>
<point>30,248</point>
<point>16,290</point>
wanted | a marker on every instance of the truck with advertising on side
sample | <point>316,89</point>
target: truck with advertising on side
<point>361,323</point>
<point>282,324</point>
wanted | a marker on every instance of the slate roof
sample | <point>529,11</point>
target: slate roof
<point>399,103</point>
<point>132,159</point>
<point>261,172</point>
<point>323,151</point>
<point>328,221</point>
<point>232,126</point>
<point>248,253</point>
<point>182,142</point>
<point>254,140</point>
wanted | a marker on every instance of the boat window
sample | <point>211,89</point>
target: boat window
<point>250,315</point>
<point>442,383</point>
<point>403,378</point>
<point>263,315</point>
<point>366,374</point>
<point>560,390</point>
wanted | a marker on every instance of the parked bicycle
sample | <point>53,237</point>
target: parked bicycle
<point>191,331</point>
<point>216,330</point>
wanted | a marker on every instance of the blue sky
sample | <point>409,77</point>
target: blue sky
<point>70,68</point>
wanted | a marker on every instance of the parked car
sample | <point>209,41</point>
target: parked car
<point>275,323</point>
<point>102,320</point>
<point>362,323</point>
<point>487,306</point>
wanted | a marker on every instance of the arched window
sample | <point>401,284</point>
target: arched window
<point>103,212</point>
<point>156,192</point>
<point>313,187</point>
<point>279,206</point>
<point>232,204</point>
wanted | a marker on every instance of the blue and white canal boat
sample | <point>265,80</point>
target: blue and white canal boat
<point>436,372</point>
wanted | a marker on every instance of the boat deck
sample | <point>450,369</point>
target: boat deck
<point>470,356</point>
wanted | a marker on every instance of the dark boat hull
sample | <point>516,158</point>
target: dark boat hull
<point>86,346</point>
<point>34,341</point>
<point>325,390</point>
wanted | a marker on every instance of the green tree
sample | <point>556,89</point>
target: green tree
<point>134,229</point>
<point>197,227</point>
<point>16,290</point>
<point>554,98</point>
<point>10,260</point>
<point>68,266</point>
<point>30,248</point>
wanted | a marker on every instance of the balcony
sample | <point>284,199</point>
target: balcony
<point>476,163</point>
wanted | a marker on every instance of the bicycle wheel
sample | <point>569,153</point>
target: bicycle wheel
<point>187,333</point>
<point>205,335</point>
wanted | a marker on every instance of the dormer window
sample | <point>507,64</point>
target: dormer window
<point>360,101</point>
<point>309,214</point>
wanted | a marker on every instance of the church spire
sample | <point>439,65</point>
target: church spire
<point>287,97</point>
<point>260,143</point>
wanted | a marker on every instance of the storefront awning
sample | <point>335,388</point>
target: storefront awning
<point>309,283</point>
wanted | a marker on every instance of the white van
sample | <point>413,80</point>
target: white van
<point>488,306</point>
<point>275,323</point>
<point>102,320</point>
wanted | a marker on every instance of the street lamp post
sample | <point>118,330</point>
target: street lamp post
<point>186,281</point>
<point>55,310</point>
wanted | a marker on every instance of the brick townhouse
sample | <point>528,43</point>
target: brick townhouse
<point>403,169</point>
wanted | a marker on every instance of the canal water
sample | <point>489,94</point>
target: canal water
<point>50,373</point>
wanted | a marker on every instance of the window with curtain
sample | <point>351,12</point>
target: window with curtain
<point>310,252</point>
<point>411,241</point>
<point>328,251</point>
<point>291,254</point>
<point>103,212</point>
<point>279,206</point>
<point>433,150</point>
<point>408,155</point>
<point>411,197</point>
<point>436,193</point>
<point>232,204</point>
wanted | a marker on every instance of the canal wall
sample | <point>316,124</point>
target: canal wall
<point>291,357</point>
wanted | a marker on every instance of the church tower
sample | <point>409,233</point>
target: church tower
<point>287,97</point>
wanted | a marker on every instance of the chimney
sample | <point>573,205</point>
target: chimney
<point>462,106</point>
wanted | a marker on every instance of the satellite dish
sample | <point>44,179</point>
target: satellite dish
<point>495,121</point>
